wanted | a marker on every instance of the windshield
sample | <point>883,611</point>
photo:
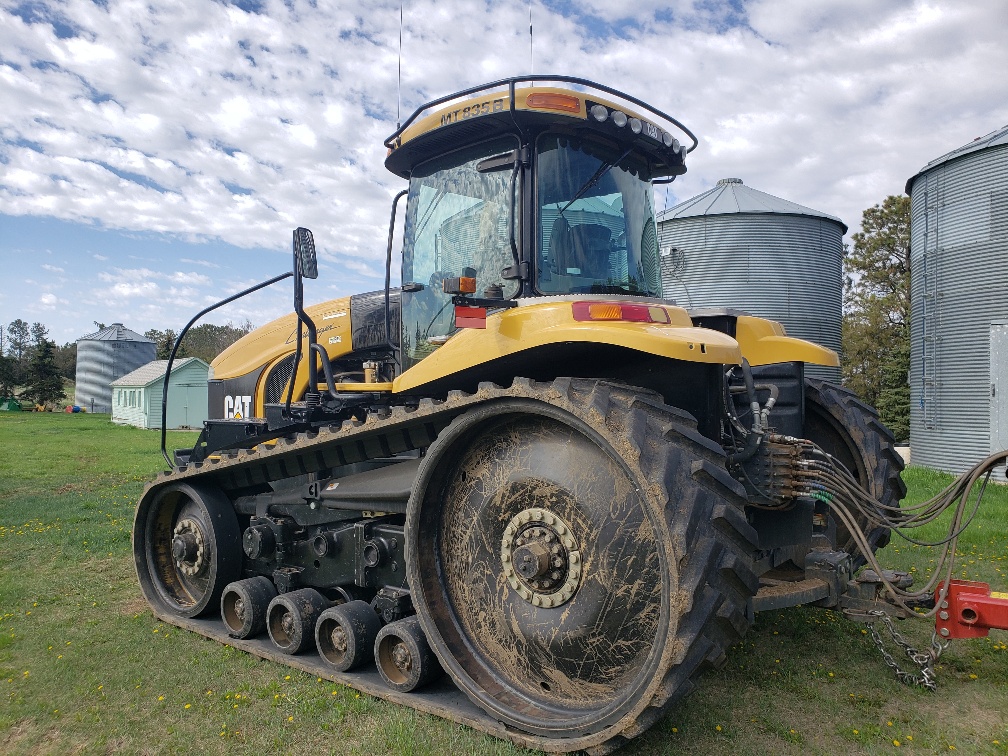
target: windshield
<point>596,220</point>
<point>456,225</point>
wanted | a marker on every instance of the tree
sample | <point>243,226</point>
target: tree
<point>66,360</point>
<point>39,333</point>
<point>876,321</point>
<point>165,340</point>
<point>18,344</point>
<point>7,376</point>
<point>44,382</point>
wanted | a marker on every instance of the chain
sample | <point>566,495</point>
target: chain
<point>925,660</point>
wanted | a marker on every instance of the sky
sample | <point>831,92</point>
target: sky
<point>155,156</point>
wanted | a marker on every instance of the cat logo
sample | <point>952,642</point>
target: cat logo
<point>237,407</point>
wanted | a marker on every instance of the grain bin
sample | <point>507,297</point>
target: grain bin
<point>104,356</point>
<point>736,247</point>
<point>959,305</point>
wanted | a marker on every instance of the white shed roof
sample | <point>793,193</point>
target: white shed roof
<point>154,371</point>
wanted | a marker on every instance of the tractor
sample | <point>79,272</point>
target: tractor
<point>521,490</point>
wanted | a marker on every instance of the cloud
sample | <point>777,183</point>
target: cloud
<point>209,122</point>
<point>52,268</point>
<point>100,258</point>
<point>49,301</point>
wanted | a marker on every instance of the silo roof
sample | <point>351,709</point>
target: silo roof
<point>996,138</point>
<point>115,332</point>
<point>731,197</point>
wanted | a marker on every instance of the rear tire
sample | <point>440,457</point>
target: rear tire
<point>594,640</point>
<point>851,431</point>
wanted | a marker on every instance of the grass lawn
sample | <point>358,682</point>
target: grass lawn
<point>85,667</point>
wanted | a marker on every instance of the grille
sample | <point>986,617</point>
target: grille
<point>277,379</point>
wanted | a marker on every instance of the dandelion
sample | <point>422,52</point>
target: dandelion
<point>286,677</point>
<point>972,676</point>
<point>718,728</point>
<point>160,698</point>
<point>831,674</point>
<point>188,706</point>
<point>856,732</point>
<point>290,719</point>
<point>896,743</point>
<point>676,729</point>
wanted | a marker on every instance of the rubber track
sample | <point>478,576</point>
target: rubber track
<point>684,472</point>
<point>875,443</point>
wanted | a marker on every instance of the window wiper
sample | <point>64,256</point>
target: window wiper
<point>594,179</point>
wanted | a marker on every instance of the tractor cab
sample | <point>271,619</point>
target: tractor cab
<point>526,190</point>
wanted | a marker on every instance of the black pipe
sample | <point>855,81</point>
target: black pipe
<point>178,342</point>
<point>388,272</point>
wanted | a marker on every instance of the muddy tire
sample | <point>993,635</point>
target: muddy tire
<point>577,556</point>
<point>851,431</point>
<point>186,548</point>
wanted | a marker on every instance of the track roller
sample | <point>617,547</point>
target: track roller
<point>244,604</point>
<point>290,619</point>
<point>345,634</point>
<point>405,661</point>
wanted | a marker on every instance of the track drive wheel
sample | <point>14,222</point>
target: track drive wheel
<point>577,557</point>
<point>851,431</point>
<point>186,548</point>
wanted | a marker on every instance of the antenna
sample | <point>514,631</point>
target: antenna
<point>531,58</point>
<point>398,106</point>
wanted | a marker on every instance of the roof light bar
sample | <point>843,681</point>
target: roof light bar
<point>554,101</point>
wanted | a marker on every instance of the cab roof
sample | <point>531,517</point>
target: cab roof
<point>530,104</point>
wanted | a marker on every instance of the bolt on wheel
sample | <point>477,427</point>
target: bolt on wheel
<point>405,659</point>
<point>244,604</point>
<point>291,617</point>
<point>186,548</point>
<point>540,570</point>
<point>345,634</point>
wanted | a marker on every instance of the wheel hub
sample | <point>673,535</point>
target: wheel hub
<point>541,559</point>
<point>338,638</point>
<point>189,547</point>
<point>402,658</point>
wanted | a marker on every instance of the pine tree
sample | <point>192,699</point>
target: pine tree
<point>44,382</point>
<point>876,321</point>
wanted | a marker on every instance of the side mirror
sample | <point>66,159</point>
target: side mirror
<point>304,253</point>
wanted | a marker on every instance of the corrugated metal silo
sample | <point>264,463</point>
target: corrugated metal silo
<point>734,246</point>
<point>959,305</point>
<point>104,356</point>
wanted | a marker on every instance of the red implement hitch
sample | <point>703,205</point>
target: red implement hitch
<point>970,610</point>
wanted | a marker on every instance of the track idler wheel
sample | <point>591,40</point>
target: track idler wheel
<point>291,617</point>
<point>345,634</point>
<point>405,660</point>
<point>186,548</point>
<point>244,604</point>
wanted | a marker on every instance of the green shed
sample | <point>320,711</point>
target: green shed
<point>136,397</point>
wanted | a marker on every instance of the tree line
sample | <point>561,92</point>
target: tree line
<point>30,360</point>
<point>33,367</point>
